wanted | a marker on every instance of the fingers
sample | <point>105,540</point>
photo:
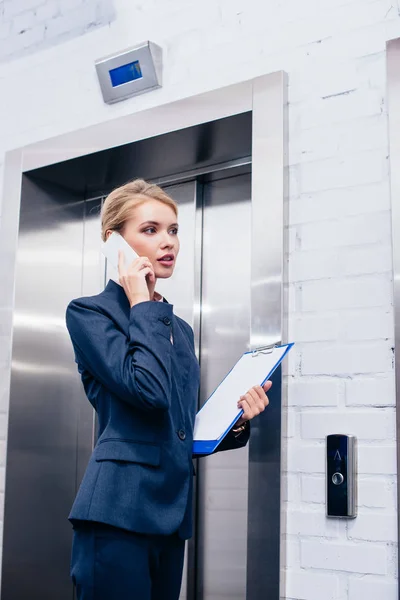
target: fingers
<point>267,386</point>
<point>254,401</point>
<point>139,263</point>
<point>247,412</point>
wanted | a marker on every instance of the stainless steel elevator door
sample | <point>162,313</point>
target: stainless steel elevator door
<point>225,328</point>
<point>44,401</point>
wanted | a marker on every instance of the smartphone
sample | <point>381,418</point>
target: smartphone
<point>111,247</point>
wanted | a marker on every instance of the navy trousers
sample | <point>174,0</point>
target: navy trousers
<point>108,563</point>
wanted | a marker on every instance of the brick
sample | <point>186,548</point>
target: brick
<point>358,43</point>
<point>320,264</point>
<point>369,588</point>
<point>336,295</point>
<point>23,22</point>
<point>305,458</point>
<point>377,391</point>
<point>313,393</point>
<point>377,493</point>
<point>292,239</point>
<point>359,558</point>
<point>373,425</point>
<point>373,527</point>
<point>346,107</point>
<point>366,259</point>
<point>313,489</point>
<point>304,266</point>
<point>290,487</point>
<point>73,4</point>
<point>5,29</point>
<point>312,586</point>
<point>289,419</point>
<point>291,364</point>
<point>315,523</point>
<point>339,203</point>
<point>30,37</point>
<point>346,171</point>
<point>15,7</point>
<point>76,20</point>
<point>368,133</point>
<point>292,551</point>
<point>47,11</point>
<point>352,231</point>
<point>380,460</point>
<point>313,328</point>
<point>366,325</point>
<point>346,359</point>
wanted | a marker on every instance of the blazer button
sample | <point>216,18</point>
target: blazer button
<point>182,434</point>
<point>167,320</point>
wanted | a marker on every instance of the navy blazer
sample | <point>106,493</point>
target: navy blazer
<point>143,384</point>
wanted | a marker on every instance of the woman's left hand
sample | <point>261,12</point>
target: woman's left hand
<point>253,402</point>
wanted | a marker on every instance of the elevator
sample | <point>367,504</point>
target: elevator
<point>207,169</point>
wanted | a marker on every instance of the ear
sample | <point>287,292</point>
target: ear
<point>108,233</point>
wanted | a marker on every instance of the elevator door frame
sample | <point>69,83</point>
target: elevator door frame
<point>266,97</point>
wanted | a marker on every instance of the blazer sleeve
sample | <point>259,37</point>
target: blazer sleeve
<point>136,368</point>
<point>230,441</point>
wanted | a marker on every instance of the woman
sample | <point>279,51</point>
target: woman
<point>136,358</point>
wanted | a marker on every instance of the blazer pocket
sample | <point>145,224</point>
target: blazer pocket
<point>134,452</point>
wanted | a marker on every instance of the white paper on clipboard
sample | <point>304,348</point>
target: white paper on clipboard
<point>220,410</point>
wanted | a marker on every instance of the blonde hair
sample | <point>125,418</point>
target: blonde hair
<point>119,203</point>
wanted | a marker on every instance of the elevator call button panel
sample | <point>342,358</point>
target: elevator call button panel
<point>341,476</point>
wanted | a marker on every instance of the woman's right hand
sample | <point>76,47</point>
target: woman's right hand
<point>136,278</point>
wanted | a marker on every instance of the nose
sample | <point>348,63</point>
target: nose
<point>168,241</point>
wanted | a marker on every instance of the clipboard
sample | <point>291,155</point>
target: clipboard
<point>220,412</point>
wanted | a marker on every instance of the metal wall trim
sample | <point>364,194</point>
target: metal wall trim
<point>393,93</point>
<point>268,193</point>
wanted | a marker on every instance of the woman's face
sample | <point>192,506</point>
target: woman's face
<point>152,231</point>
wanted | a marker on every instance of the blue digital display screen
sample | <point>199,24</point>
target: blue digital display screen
<point>125,73</point>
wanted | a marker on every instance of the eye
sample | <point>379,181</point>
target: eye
<point>149,230</point>
<point>174,231</point>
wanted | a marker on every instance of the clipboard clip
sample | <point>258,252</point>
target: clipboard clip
<point>264,349</point>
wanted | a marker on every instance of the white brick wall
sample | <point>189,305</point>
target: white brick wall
<point>31,25</point>
<point>340,376</point>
